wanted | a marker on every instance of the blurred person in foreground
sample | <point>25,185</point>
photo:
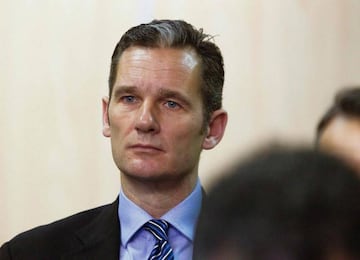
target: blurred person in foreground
<point>282,204</point>
<point>338,131</point>
<point>164,107</point>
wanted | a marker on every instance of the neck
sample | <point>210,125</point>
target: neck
<point>157,197</point>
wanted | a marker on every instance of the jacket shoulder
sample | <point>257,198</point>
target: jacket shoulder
<point>52,239</point>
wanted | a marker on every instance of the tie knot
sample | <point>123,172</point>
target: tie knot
<point>158,227</point>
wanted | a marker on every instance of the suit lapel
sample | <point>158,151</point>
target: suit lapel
<point>101,238</point>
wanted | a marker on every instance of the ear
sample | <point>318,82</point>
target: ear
<point>216,129</point>
<point>105,117</point>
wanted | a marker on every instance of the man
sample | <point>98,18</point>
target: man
<point>338,131</point>
<point>288,204</point>
<point>163,109</point>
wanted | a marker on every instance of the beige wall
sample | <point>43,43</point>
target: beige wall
<point>284,60</point>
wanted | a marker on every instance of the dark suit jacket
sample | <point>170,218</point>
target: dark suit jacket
<point>92,234</point>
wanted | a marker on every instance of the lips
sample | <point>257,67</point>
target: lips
<point>145,148</point>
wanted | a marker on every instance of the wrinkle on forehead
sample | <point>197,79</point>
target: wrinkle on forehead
<point>188,57</point>
<point>164,67</point>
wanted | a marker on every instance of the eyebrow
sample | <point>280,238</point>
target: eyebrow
<point>167,93</point>
<point>163,93</point>
<point>120,90</point>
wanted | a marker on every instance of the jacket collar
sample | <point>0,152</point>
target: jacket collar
<point>101,238</point>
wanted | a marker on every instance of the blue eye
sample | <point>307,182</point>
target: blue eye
<point>172,104</point>
<point>128,99</point>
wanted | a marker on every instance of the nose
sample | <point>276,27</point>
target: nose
<point>146,121</point>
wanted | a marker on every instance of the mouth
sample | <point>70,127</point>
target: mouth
<point>146,148</point>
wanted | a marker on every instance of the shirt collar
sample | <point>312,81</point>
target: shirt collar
<point>183,216</point>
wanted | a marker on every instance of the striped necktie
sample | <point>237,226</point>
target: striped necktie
<point>162,249</point>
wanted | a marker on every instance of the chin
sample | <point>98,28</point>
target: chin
<point>143,170</point>
<point>149,177</point>
<point>151,174</point>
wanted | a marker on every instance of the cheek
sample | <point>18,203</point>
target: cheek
<point>189,125</point>
<point>186,137</point>
<point>120,124</point>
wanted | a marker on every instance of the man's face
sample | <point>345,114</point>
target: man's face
<point>342,138</point>
<point>155,114</point>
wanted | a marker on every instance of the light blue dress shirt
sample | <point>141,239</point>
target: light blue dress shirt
<point>137,243</point>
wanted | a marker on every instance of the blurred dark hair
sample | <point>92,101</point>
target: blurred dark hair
<point>178,34</point>
<point>282,204</point>
<point>346,102</point>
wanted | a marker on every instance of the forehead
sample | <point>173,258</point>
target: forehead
<point>184,60</point>
<point>342,135</point>
<point>342,138</point>
<point>159,67</point>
